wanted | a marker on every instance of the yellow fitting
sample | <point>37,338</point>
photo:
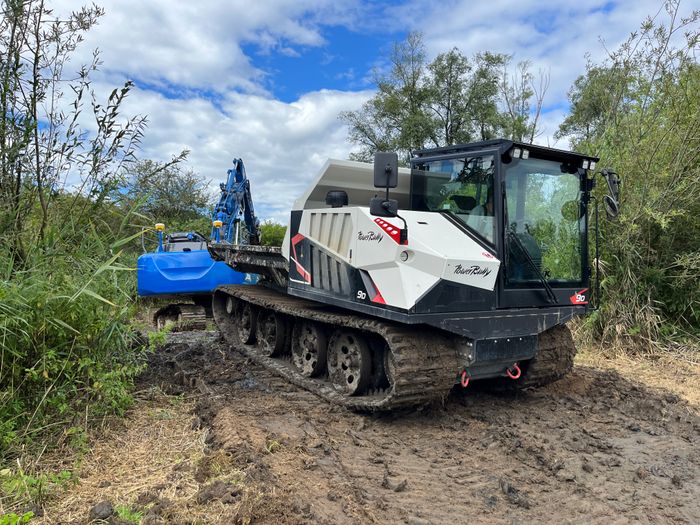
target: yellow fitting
<point>218,224</point>
<point>160,227</point>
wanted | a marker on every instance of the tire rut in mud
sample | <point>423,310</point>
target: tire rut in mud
<point>590,448</point>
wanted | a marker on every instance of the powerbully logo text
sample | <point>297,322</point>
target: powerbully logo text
<point>370,236</point>
<point>474,269</point>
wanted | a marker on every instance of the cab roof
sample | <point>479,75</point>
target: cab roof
<point>503,146</point>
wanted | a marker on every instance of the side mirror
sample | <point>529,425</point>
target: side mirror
<point>383,207</point>
<point>612,207</point>
<point>613,183</point>
<point>386,170</point>
<point>386,175</point>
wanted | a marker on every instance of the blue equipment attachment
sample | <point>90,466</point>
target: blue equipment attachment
<point>182,266</point>
<point>234,214</point>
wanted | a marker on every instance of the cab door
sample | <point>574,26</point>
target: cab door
<point>543,241</point>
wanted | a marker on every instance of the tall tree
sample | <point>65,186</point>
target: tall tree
<point>464,96</point>
<point>518,93</point>
<point>483,95</point>
<point>43,148</point>
<point>594,99</point>
<point>396,117</point>
<point>168,193</point>
<point>450,100</point>
<point>639,110</point>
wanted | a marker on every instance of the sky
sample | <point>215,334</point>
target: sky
<point>265,80</point>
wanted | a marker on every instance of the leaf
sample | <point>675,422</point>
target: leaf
<point>122,242</point>
<point>63,324</point>
<point>119,268</point>
<point>107,264</point>
<point>89,292</point>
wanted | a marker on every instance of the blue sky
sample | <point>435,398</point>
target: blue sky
<point>343,62</point>
<point>266,80</point>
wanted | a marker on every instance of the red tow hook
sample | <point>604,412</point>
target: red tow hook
<point>513,372</point>
<point>465,379</point>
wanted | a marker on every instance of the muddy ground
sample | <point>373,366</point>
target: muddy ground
<point>248,447</point>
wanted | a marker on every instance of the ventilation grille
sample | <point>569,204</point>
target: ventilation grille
<point>328,273</point>
<point>333,231</point>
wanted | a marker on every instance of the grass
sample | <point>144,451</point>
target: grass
<point>133,457</point>
<point>20,486</point>
<point>128,514</point>
<point>16,519</point>
<point>68,353</point>
<point>273,446</point>
<point>674,370</point>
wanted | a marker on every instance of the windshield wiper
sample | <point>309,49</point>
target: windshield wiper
<point>551,298</point>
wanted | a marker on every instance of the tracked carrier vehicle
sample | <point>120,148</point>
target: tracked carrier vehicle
<point>467,268</point>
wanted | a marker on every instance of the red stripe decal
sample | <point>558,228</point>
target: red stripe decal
<point>391,230</point>
<point>302,271</point>
<point>377,297</point>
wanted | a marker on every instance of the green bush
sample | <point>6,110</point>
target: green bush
<point>67,348</point>
<point>16,519</point>
<point>67,352</point>
<point>20,487</point>
<point>126,513</point>
<point>272,233</point>
<point>640,112</point>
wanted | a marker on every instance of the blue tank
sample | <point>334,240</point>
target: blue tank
<point>185,272</point>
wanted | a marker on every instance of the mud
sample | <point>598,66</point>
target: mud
<point>591,448</point>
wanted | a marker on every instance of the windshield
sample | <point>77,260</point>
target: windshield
<point>544,217</point>
<point>462,186</point>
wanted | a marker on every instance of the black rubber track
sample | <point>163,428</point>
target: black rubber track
<point>189,316</point>
<point>554,358</point>
<point>425,362</point>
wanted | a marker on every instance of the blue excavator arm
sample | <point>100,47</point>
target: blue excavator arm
<point>235,211</point>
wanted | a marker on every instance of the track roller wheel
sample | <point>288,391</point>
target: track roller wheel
<point>309,348</point>
<point>230,305</point>
<point>246,317</point>
<point>271,333</point>
<point>349,362</point>
<point>165,320</point>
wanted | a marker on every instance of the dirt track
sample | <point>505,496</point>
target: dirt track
<point>592,448</point>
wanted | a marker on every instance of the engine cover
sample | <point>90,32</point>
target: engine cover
<point>350,253</point>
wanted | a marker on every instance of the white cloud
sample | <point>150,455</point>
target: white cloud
<point>282,145</point>
<point>203,55</point>
<point>217,105</point>
<point>199,45</point>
